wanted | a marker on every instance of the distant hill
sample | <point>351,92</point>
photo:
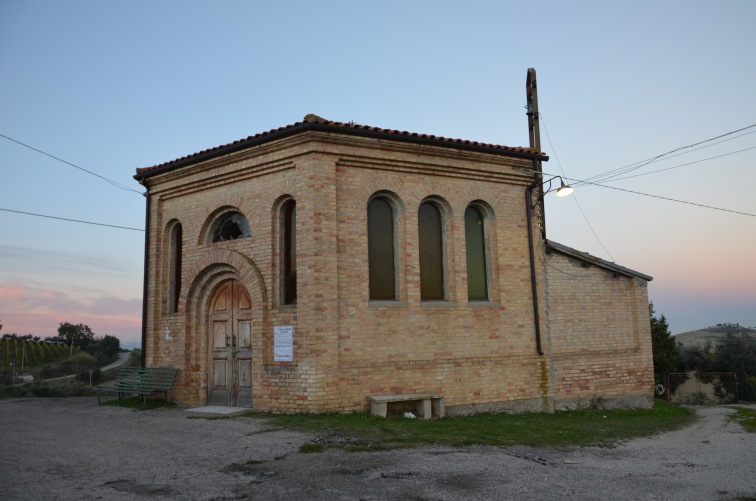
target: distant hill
<point>712,334</point>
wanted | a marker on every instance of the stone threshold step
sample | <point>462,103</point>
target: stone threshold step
<point>216,411</point>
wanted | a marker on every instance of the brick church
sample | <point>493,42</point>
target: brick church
<point>309,267</point>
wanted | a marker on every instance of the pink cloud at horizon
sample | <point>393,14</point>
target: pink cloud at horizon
<point>13,291</point>
<point>39,311</point>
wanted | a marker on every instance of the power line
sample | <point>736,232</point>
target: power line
<point>583,181</point>
<point>703,147</point>
<point>114,183</point>
<point>681,165</point>
<point>642,163</point>
<point>637,165</point>
<point>71,220</point>
<point>658,196</point>
<point>574,197</point>
<point>651,161</point>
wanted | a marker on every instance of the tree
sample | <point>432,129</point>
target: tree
<point>735,353</point>
<point>77,335</point>
<point>111,345</point>
<point>665,350</point>
<point>27,337</point>
<point>105,348</point>
<point>695,358</point>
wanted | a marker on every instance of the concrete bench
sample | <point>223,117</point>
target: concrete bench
<point>426,405</point>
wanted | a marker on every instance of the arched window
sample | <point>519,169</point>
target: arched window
<point>381,255</point>
<point>288,248</point>
<point>230,226</point>
<point>176,244</point>
<point>475,243</point>
<point>431,253</point>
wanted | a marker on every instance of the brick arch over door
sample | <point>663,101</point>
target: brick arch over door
<point>219,266</point>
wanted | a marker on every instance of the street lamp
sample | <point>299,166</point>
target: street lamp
<point>564,190</point>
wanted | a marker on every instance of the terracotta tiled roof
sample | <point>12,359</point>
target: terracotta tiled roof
<point>316,123</point>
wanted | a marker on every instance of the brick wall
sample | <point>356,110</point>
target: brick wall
<point>600,337</point>
<point>480,355</point>
<point>472,352</point>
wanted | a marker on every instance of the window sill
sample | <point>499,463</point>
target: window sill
<point>378,303</point>
<point>439,304</point>
<point>484,304</point>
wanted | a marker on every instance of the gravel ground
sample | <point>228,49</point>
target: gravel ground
<point>74,449</point>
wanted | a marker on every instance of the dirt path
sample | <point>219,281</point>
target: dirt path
<point>123,357</point>
<point>73,449</point>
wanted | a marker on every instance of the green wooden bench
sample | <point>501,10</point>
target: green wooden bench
<point>142,381</point>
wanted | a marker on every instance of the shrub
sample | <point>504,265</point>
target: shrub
<point>55,389</point>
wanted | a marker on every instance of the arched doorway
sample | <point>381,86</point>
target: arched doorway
<point>230,346</point>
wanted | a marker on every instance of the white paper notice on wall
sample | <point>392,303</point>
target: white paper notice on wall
<point>283,343</point>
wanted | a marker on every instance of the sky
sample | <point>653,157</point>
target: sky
<point>113,86</point>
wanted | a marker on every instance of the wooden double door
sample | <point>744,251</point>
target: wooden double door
<point>230,378</point>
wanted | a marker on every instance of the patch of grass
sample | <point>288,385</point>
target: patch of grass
<point>310,447</point>
<point>47,389</point>
<point>746,417</point>
<point>137,403</point>
<point>562,429</point>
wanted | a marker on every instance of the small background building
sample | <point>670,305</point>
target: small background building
<point>305,268</point>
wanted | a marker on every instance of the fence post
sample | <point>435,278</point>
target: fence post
<point>666,386</point>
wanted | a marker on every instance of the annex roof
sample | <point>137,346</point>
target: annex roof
<point>316,123</point>
<point>587,258</point>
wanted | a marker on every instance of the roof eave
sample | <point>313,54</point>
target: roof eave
<point>223,150</point>
<point>302,127</point>
<point>596,261</point>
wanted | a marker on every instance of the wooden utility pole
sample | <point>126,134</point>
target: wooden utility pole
<point>534,133</point>
<point>534,129</point>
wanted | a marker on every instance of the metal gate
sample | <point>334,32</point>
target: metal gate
<point>702,388</point>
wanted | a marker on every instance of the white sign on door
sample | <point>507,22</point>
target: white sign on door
<point>283,343</point>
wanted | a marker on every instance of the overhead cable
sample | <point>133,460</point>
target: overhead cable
<point>574,197</point>
<point>637,165</point>
<point>71,220</point>
<point>677,166</point>
<point>656,196</point>
<point>114,183</point>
